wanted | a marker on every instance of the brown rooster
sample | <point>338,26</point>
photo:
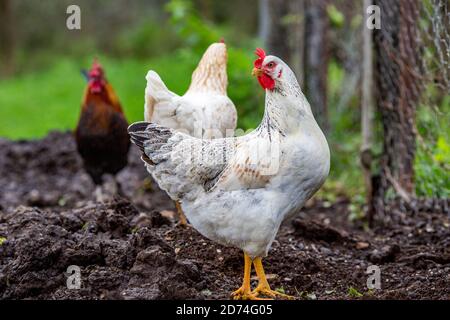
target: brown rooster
<point>101,134</point>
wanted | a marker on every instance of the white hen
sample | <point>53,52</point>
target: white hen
<point>204,111</point>
<point>237,191</point>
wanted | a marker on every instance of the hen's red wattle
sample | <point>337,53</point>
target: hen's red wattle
<point>266,82</point>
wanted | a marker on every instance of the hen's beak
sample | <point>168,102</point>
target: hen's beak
<point>257,72</point>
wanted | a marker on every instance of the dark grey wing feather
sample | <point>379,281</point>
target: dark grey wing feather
<point>182,165</point>
<point>150,138</point>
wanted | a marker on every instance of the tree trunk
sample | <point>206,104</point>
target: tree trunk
<point>6,37</point>
<point>278,40</point>
<point>263,21</point>
<point>367,114</point>
<point>399,86</point>
<point>316,59</point>
<point>205,9</point>
<point>281,29</point>
<point>296,41</point>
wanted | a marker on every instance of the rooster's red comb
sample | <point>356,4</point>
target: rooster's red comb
<point>261,55</point>
<point>96,69</point>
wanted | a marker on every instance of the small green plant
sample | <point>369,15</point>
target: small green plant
<point>352,292</point>
<point>280,290</point>
<point>134,230</point>
<point>370,292</point>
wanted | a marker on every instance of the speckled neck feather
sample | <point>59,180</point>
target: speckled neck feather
<point>276,112</point>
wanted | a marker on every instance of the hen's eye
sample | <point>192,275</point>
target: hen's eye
<point>270,64</point>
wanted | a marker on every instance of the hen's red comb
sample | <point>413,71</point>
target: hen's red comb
<point>261,55</point>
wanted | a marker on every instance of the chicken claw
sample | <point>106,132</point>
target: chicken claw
<point>270,293</point>
<point>244,292</point>
<point>263,286</point>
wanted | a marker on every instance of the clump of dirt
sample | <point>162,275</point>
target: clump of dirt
<point>116,260</point>
<point>132,247</point>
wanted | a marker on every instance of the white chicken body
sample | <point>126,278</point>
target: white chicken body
<point>237,191</point>
<point>249,218</point>
<point>204,111</point>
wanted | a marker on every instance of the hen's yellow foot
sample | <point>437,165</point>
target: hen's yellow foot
<point>263,290</point>
<point>263,286</point>
<point>244,293</point>
<point>182,221</point>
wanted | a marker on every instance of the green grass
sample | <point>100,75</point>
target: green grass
<point>35,103</point>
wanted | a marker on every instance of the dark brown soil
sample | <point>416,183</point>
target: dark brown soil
<point>133,249</point>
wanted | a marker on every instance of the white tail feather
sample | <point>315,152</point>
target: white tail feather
<point>156,93</point>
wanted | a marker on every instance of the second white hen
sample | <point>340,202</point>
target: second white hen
<point>204,111</point>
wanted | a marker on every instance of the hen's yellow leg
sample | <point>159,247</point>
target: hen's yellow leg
<point>181,216</point>
<point>263,286</point>
<point>245,292</point>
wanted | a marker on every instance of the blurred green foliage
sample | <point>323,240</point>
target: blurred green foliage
<point>148,38</point>
<point>345,138</point>
<point>432,172</point>
<point>432,162</point>
<point>196,33</point>
<point>336,17</point>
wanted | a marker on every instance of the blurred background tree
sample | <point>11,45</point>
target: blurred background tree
<point>323,41</point>
<point>7,35</point>
<point>398,65</point>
